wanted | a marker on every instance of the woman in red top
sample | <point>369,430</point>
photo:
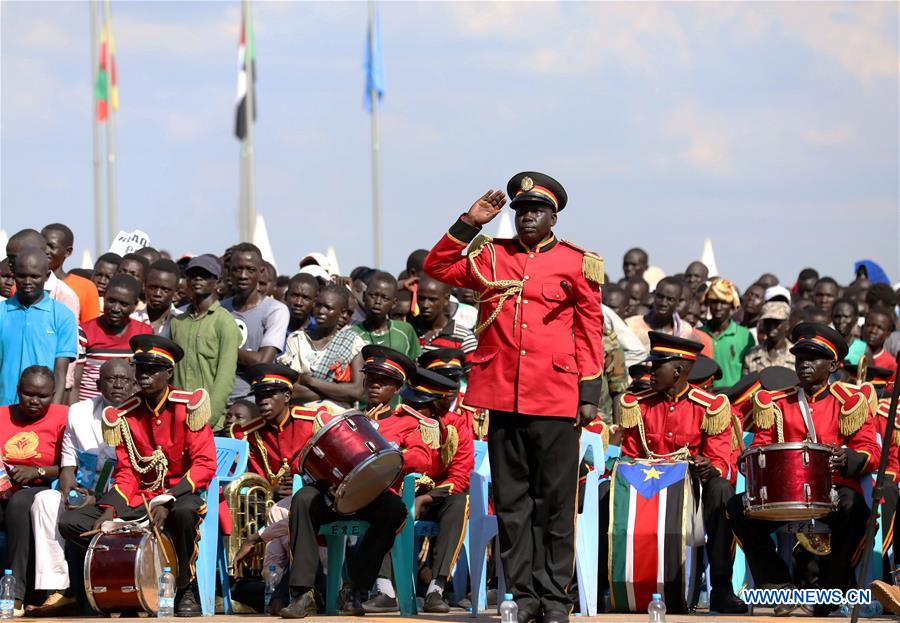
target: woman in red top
<point>31,435</point>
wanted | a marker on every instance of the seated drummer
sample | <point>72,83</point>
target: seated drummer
<point>675,421</point>
<point>276,437</point>
<point>31,436</point>
<point>385,370</point>
<point>163,447</point>
<point>834,414</point>
<point>430,392</point>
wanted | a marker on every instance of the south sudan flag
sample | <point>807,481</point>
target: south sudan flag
<point>651,532</point>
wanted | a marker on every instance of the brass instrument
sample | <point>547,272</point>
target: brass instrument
<point>816,544</point>
<point>249,498</point>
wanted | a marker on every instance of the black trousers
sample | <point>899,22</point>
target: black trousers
<point>309,510</point>
<point>889,529</point>
<point>715,494</point>
<point>182,525</point>
<point>534,470</point>
<point>15,519</point>
<point>848,527</point>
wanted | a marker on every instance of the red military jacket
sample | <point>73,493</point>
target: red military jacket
<point>543,353</point>
<point>696,419</point>
<point>32,442</point>
<point>408,428</point>
<point>175,430</point>
<point>840,415</point>
<point>272,446</point>
<point>453,462</point>
<point>893,464</point>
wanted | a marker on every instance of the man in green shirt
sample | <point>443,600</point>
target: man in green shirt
<point>377,327</point>
<point>730,340</point>
<point>210,339</point>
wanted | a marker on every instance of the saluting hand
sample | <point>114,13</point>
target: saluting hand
<point>486,208</point>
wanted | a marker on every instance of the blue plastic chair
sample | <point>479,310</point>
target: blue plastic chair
<point>482,529</point>
<point>587,532</point>
<point>231,464</point>
<point>463,562</point>
<point>336,534</point>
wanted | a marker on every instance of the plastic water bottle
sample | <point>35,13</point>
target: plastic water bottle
<point>657,609</point>
<point>509,610</point>
<point>7,595</point>
<point>271,577</point>
<point>166,606</point>
<point>76,499</point>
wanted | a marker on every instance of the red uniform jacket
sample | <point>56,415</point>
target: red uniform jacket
<point>191,454</point>
<point>32,443</point>
<point>453,462</point>
<point>696,419</point>
<point>837,406</point>
<point>543,354</point>
<point>273,445</point>
<point>893,464</point>
<point>402,426</point>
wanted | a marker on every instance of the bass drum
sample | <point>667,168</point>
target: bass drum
<point>122,569</point>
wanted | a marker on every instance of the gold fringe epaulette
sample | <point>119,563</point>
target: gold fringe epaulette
<point>112,422</point>
<point>854,407</point>
<point>630,408</point>
<point>199,407</point>
<point>718,410</point>
<point>450,445</point>
<point>884,406</point>
<point>430,429</point>
<point>764,410</point>
<point>592,265</point>
<point>868,390</point>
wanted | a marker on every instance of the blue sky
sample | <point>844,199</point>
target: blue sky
<point>771,128</point>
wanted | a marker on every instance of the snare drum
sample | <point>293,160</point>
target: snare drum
<point>122,569</point>
<point>788,481</point>
<point>349,454</point>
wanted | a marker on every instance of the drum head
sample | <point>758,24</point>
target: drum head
<point>789,511</point>
<point>148,565</point>
<point>367,481</point>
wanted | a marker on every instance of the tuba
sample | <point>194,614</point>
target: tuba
<point>249,498</point>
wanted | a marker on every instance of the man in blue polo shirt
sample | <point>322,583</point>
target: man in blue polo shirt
<point>34,329</point>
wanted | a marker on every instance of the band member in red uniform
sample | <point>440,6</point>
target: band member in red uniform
<point>673,420</point>
<point>276,440</point>
<point>452,464</point>
<point>385,370</point>
<point>537,368</point>
<point>834,414</point>
<point>31,434</point>
<point>164,448</point>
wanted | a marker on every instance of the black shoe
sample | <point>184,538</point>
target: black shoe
<point>187,604</point>
<point>724,601</point>
<point>350,602</point>
<point>823,610</point>
<point>301,606</point>
<point>435,604</point>
<point>527,613</point>
<point>380,604</point>
<point>556,616</point>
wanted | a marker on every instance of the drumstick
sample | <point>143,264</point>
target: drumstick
<point>91,532</point>
<point>156,531</point>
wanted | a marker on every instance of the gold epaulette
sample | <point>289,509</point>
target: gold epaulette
<point>630,409</point>
<point>592,266</point>
<point>199,407</point>
<point>854,407</point>
<point>246,428</point>
<point>884,407</point>
<point>302,413</point>
<point>868,390</point>
<point>764,409</point>
<point>430,429</point>
<point>477,244</point>
<point>450,445</point>
<point>718,410</point>
<point>111,421</point>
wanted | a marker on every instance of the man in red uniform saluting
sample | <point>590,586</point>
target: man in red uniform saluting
<point>537,368</point>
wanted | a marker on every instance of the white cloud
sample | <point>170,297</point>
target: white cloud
<point>705,138</point>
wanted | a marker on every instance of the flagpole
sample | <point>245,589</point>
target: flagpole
<point>376,149</point>
<point>112,220</point>
<point>99,244</point>
<point>249,190</point>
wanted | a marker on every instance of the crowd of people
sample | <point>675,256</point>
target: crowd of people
<point>143,360</point>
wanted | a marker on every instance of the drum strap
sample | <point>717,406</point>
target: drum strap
<point>807,416</point>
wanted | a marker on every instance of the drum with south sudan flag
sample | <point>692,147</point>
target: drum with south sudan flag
<point>655,530</point>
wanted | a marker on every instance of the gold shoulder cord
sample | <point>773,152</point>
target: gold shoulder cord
<point>508,287</point>
<point>273,478</point>
<point>682,454</point>
<point>157,460</point>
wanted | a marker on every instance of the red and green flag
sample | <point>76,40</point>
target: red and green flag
<point>106,91</point>
<point>653,531</point>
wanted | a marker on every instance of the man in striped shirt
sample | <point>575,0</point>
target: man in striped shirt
<point>107,337</point>
<point>433,325</point>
